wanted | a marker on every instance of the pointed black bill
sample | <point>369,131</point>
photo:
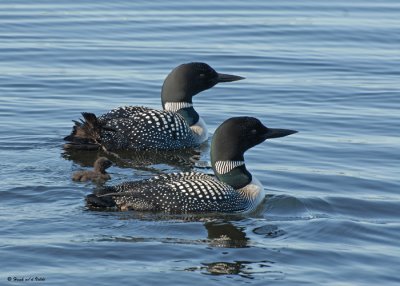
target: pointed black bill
<point>276,133</point>
<point>228,77</point>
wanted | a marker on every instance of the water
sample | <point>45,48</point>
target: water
<point>328,70</point>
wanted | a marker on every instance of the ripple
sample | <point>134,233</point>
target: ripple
<point>328,70</point>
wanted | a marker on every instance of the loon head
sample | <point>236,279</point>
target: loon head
<point>102,164</point>
<point>231,140</point>
<point>187,80</point>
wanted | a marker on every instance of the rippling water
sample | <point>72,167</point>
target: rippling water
<point>327,69</point>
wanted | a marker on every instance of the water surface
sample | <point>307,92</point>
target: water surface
<point>328,70</point>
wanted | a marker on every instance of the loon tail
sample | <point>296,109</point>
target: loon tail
<point>112,197</point>
<point>85,134</point>
<point>101,198</point>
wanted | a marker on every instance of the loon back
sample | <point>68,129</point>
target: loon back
<point>147,130</point>
<point>189,192</point>
<point>133,128</point>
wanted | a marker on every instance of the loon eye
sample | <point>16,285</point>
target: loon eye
<point>202,75</point>
<point>253,132</point>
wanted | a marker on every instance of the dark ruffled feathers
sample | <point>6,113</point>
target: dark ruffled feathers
<point>86,134</point>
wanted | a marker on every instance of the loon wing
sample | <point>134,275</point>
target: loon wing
<point>174,193</point>
<point>86,134</point>
<point>131,128</point>
<point>148,129</point>
<point>123,112</point>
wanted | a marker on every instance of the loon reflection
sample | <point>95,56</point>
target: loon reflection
<point>180,160</point>
<point>220,233</point>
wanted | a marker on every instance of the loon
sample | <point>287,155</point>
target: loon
<point>98,175</point>
<point>232,190</point>
<point>177,126</point>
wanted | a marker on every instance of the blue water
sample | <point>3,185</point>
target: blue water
<point>327,69</point>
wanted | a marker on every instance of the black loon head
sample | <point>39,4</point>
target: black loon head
<point>187,80</point>
<point>231,139</point>
<point>102,164</point>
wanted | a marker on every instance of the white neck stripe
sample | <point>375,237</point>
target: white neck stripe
<point>223,167</point>
<point>175,106</point>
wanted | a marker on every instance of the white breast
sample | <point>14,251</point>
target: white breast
<point>254,192</point>
<point>200,131</point>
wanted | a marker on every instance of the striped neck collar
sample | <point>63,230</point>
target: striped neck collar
<point>175,106</point>
<point>185,109</point>
<point>223,167</point>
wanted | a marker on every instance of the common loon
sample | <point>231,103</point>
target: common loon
<point>140,128</point>
<point>232,190</point>
<point>98,175</point>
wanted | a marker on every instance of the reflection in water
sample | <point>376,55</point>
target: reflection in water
<point>219,233</point>
<point>183,160</point>
<point>225,234</point>
<point>245,269</point>
<point>218,268</point>
<point>269,231</point>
